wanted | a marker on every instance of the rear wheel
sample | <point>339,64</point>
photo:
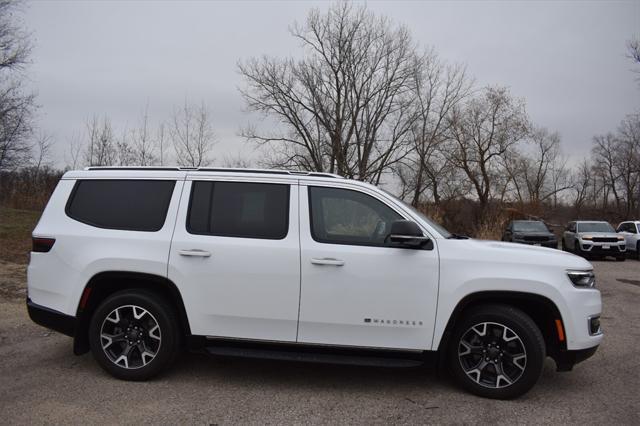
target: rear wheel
<point>134,335</point>
<point>497,352</point>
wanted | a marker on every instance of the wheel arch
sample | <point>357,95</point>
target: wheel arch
<point>542,310</point>
<point>104,284</point>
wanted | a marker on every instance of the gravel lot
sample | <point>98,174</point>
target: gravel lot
<point>41,381</point>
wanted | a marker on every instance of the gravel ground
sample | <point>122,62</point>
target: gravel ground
<point>41,381</point>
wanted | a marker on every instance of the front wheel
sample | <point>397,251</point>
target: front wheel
<point>497,352</point>
<point>134,334</point>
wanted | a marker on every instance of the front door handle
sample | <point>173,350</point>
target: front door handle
<point>194,253</point>
<point>327,261</point>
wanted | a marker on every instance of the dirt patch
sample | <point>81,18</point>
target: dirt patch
<point>13,279</point>
<point>15,233</point>
<point>626,281</point>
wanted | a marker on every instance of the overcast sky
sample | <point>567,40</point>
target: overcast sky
<point>567,59</point>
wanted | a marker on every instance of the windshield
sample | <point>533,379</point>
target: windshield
<point>439,228</point>
<point>532,226</point>
<point>595,227</point>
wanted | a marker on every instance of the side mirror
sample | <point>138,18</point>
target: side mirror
<point>407,233</point>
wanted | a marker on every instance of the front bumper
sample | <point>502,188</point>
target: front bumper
<point>51,319</point>
<point>599,248</point>
<point>565,360</point>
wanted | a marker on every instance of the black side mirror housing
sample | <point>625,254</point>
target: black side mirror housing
<point>407,233</point>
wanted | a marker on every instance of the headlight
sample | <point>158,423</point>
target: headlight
<point>582,279</point>
<point>587,237</point>
<point>620,238</point>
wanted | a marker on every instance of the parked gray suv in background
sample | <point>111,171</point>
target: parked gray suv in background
<point>533,232</point>
<point>593,238</point>
<point>630,231</point>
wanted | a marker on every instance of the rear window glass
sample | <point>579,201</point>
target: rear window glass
<point>238,209</point>
<point>131,205</point>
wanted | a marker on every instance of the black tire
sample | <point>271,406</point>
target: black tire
<point>621,258</point>
<point>517,379</point>
<point>157,347</point>
<point>638,250</point>
<point>577,250</point>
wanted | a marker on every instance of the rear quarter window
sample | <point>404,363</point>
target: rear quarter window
<point>130,205</point>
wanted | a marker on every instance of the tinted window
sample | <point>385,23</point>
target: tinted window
<point>341,216</point>
<point>133,205</point>
<point>237,209</point>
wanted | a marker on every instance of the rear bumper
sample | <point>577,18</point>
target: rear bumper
<point>51,319</point>
<point>565,360</point>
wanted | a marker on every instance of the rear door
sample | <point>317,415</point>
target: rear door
<point>235,257</point>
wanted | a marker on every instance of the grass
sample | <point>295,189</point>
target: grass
<point>15,233</point>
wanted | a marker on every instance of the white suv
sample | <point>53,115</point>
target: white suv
<point>136,264</point>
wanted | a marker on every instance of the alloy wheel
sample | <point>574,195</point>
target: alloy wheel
<point>130,336</point>
<point>492,355</point>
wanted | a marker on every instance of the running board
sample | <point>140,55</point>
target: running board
<point>313,357</point>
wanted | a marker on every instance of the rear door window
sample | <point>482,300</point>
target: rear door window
<point>131,205</point>
<point>239,209</point>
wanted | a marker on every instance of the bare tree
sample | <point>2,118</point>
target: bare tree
<point>627,161</point>
<point>538,174</point>
<point>125,152</point>
<point>633,49</point>
<point>483,131</point>
<point>143,144</point>
<point>44,143</point>
<point>192,135</point>
<point>438,89</point>
<point>347,106</point>
<point>74,150</point>
<point>101,147</point>
<point>582,182</point>
<point>161,138</point>
<point>605,159</point>
<point>16,104</point>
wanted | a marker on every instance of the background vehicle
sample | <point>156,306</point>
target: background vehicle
<point>135,264</point>
<point>533,232</point>
<point>593,238</point>
<point>631,233</point>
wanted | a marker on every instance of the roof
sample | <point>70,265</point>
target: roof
<point>183,172</point>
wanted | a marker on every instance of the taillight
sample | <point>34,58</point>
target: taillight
<point>42,245</point>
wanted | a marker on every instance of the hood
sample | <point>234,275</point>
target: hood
<point>600,234</point>
<point>514,253</point>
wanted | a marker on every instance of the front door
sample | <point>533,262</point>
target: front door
<point>235,258</point>
<point>357,290</point>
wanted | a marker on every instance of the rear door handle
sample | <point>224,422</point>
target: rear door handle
<point>194,253</point>
<point>327,261</point>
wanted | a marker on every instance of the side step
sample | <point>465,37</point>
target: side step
<point>314,357</point>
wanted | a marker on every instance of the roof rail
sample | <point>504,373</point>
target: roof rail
<point>218,169</point>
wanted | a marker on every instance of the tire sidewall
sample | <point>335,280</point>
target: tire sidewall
<point>531,338</point>
<point>168,329</point>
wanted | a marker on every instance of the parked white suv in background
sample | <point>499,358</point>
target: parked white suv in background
<point>591,238</point>
<point>630,231</point>
<point>136,264</point>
